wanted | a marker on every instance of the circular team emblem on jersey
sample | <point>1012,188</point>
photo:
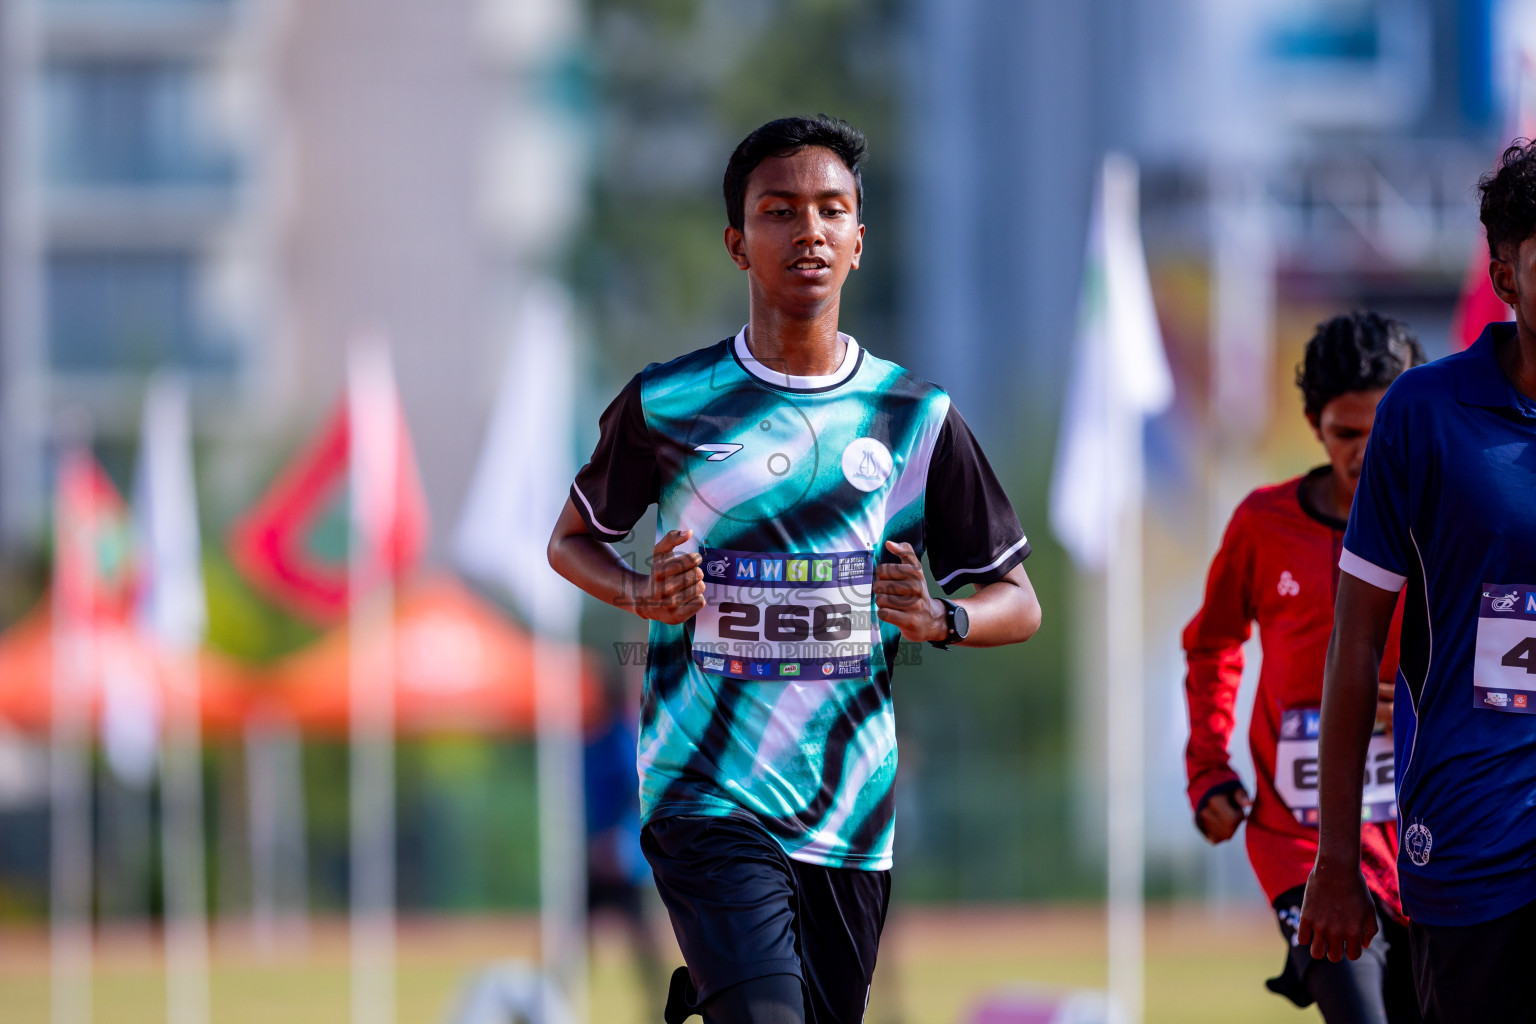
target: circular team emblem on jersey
<point>867,463</point>
<point>1417,841</point>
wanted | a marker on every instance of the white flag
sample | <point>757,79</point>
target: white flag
<point>172,606</point>
<point>526,467</point>
<point>1120,376</point>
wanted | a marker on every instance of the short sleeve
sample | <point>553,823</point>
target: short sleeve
<point>1376,543</point>
<point>620,481</point>
<point>972,532</point>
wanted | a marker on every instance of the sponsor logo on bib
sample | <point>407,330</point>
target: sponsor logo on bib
<point>1287,587</point>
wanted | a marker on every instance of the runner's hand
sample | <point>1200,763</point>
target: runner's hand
<point>1385,694</point>
<point>1337,917</point>
<point>1222,814</point>
<point>675,591</point>
<point>902,595</point>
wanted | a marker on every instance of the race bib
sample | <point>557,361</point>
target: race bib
<point>1296,770</point>
<point>1504,668</point>
<point>786,616</point>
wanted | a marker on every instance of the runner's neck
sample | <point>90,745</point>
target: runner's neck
<point>799,348</point>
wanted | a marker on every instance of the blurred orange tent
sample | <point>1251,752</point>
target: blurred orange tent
<point>460,666</point>
<point>121,660</point>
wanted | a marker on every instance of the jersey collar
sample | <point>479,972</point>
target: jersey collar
<point>852,357</point>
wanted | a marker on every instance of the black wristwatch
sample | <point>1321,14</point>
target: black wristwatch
<point>957,622</point>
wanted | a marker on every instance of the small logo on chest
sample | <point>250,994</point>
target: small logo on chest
<point>1287,587</point>
<point>867,463</point>
<point>718,452</point>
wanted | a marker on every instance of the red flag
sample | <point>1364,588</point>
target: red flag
<point>93,568</point>
<point>293,543</point>
<point>1479,305</point>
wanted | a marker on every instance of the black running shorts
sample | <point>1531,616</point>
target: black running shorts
<point>742,909</point>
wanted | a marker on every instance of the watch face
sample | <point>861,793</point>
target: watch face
<point>962,621</point>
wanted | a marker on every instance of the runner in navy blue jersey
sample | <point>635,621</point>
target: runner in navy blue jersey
<point>1446,511</point>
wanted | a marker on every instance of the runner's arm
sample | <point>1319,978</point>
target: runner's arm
<point>1213,651</point>
<point>672,592</point>
<point>1337,917</point>
<point>1005,611</point>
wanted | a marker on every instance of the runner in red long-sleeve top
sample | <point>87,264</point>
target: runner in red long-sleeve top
<point>1278,568</point>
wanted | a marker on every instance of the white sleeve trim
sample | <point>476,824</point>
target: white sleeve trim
<point>592,516</point>
<point>1375,575</point>
<point>999,560</point>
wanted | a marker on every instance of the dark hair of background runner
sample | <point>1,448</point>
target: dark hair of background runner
<point>784,137</point>
<point>1357,352</point>
<point>1508,208</point>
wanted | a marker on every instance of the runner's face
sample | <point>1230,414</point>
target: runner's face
<point>1344,426</point>
<point>801,232</point>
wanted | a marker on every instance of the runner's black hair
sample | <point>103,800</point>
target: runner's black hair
<point>1508,208</point>
<point>1357,352</point>
<point>783,137</point>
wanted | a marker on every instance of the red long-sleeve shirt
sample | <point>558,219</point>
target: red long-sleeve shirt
<point>1278,567</point>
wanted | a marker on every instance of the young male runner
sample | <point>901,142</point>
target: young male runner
<point>798,478</point>
<point>1277,566</point>
<point>1446,511</point>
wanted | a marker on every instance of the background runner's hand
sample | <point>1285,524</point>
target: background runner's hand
<point>902,595</point>
<point>1337,916</point>
<point>1222,814</point>
<point>675,591</point>
<point>1385,694</point>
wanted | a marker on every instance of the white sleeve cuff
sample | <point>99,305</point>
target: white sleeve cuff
<point>1375,575</point>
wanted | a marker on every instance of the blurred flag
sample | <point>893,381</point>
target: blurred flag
<point>172,609</point>
<point>294,543</point>
<point>1479,305</point>
<point>171,603</point>
<point>93,565</point>
<point>1120,376</point>
<point>526,467</point>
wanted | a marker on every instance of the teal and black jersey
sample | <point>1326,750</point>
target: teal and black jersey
<point>776,698</point>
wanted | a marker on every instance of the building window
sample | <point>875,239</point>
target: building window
<point>130,122</point>
<point>130,312</point>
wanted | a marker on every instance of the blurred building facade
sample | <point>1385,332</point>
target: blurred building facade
<point>235,188</point>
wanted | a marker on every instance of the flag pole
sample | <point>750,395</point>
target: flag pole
<point>181,821</point>
<point>562,826</point>
<point>370,609</point>
<point>70,954</point>
<point>1124,742</point>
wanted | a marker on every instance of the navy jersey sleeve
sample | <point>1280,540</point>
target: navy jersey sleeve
<point>620,481</point>
<point>971,530</point>
<point>1376,544</point>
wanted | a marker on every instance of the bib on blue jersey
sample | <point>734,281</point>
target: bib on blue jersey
<point>1504,666</point>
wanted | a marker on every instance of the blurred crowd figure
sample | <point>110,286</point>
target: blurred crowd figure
<point>618,878</point>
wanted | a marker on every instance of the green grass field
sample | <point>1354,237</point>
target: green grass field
<point>934,965</point>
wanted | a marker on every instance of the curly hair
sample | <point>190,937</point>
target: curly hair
<point>1357,352</point>
<point>1508,209</point>
<point>783,137</point>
